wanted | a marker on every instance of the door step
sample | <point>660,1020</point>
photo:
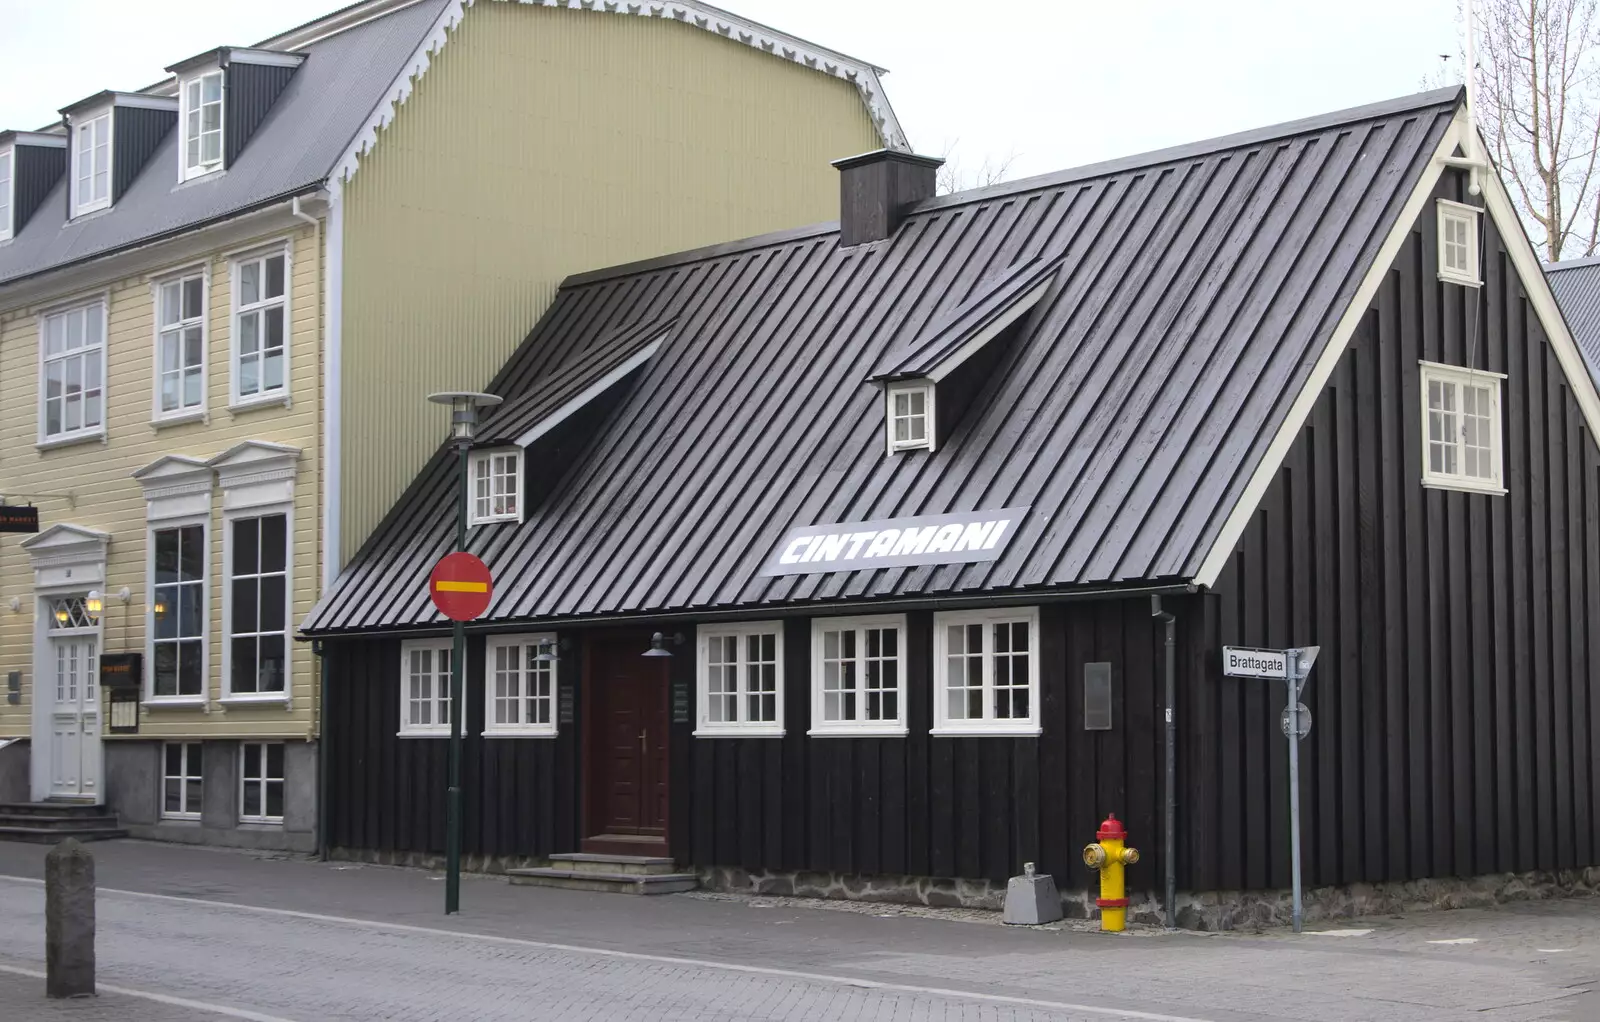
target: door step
<point>50,822</point>
<point>620,874</point>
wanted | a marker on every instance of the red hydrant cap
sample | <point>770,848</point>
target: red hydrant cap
<point>1111,830</point>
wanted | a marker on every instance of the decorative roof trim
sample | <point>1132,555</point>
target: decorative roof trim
<point>111,97</point>
<point>47,140</point>
<point>591,392</point>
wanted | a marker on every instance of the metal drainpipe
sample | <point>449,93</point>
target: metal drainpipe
<point>321,653</point>
<point>1169,836</point>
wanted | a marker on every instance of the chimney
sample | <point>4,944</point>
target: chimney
<point>878,189</point>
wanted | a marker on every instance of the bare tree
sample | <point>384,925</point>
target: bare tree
<point>1538,81</point>
<point>954,178</point>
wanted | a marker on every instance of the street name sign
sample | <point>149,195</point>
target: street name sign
<point>460,586</point>
<point>1245,662</point>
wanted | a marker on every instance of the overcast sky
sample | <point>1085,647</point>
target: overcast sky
<point>1055,83</point>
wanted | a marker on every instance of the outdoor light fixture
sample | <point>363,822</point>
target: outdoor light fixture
<point>464,406</point>
<point>547,653</point>
<point>124,595</point>
<point>160,606</point>
<point>61,615</point>
<point>656,644</point>
<point>93,604</point>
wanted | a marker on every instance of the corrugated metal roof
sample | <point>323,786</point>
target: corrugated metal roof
<point>946,335</point>
<point>321,109</point>
<point>1576,284</point>
<point>1196,288</point>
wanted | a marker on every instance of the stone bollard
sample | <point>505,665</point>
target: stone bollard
<point>69,920</point>
<point>1031,899</point>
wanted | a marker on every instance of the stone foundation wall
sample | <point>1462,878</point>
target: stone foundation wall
<point>431,861</point>
<point>1210,910</point>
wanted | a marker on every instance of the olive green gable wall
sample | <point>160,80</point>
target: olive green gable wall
<point>544,142</point>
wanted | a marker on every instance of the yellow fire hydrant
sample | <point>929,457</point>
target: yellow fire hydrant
<point>1109,855</point>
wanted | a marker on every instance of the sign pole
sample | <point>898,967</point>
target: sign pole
<point>1291,677</point>
<point>458,651</point>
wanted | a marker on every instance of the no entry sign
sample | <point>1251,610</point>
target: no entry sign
<point>460,586</point>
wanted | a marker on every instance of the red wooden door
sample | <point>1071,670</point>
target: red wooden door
<point>628,740</point>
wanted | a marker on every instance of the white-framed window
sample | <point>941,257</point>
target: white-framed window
<point>7,175</point>
<point>986,672</point>
<point>496,486</point>
<point>181,781</point>
<point>260,326</point>
<point>519,686</point>
<point>1458,243</point>
<point>740,679</point>
<point>1461,428</point>
<point>202,124</point>
<point>257,613</point>
<point>261,782</point>
<point>178,612</point>
<point>180,345</point>
<point>910,416</point>
<point>91,164</point>
<point>425,687</point>
<point>858,675</point>
<point>72,367</point>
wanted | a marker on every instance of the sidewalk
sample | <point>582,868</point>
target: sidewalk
<point>21,994</point>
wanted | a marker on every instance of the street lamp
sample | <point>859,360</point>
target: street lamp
<point>464,408</point>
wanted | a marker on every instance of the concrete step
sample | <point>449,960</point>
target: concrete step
<point>57,822</point>
<point>51,808</point>
<point>594,862</point>
<point>614,883</point>
<point>46,836</point>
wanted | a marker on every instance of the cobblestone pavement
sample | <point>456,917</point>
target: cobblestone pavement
<point>272,938</point>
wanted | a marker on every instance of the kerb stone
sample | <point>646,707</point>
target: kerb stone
<point>69,920</point>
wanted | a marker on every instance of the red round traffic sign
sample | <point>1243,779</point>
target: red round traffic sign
<point>460,586</point>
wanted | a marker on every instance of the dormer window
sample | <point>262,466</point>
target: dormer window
<point>202,124</point>
<point>910,418</point>
<point>6,176</point>
<point>91,163</point>
<point>496,486</point>
<point>1458,243</point>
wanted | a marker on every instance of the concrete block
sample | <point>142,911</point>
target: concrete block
<point>219,798</point>
<point>300,787</point>
<point>133,780</point>
<point>69,920</point>
<point>16,764</point>
<point>1032,898</point>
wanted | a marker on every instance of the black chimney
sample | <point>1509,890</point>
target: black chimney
<point>877,189</point>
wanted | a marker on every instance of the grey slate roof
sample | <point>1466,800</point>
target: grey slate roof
<point>1576,284</point>
<point>293,151</point>
<point>1196,288</point>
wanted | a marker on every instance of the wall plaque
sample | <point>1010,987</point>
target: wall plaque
<point>680,702</point>
<point>124,712</point>
<point>564,704</point>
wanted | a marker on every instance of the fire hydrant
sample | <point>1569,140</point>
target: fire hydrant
<point>1109,855</point>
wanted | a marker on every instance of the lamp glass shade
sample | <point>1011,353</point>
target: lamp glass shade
<point>94,604</point>
<point>656,647</point>
<point>61,615</point>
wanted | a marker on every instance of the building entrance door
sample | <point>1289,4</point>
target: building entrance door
<point>627,747</point>
<point>75,718</point>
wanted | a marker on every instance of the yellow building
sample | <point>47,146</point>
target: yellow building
<point>224,298</point>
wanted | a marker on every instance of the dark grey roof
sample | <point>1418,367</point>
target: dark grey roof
<point>1576,283</point>
<point>293,151</point>
<point>943,337</point>
<point>1195,291</point>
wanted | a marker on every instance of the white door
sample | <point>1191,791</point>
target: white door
<point>75,719</point>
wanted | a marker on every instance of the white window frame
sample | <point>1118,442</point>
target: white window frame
<point>890,392</point>
<point>1457,212</point>
<point>741,632</point>
<point>164,525</point>
<point>188,812</point>
<point>182,414</point>
<point>185,171</point>
<point>89,121</point>
<point>440,695</point>
<point>237,310</point>
<point>943,724</point>
<point>1459,376</point>
<point>489,457</point>
<point>98,431</point>
<point>263,779</point>
<point>8,193</point>
<point>860,727</point>
<point>527,646</point>
<point>230,519</point>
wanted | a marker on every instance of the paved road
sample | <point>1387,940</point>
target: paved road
<point>219,935</point>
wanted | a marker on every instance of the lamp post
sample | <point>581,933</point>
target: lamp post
<point>464,406</point>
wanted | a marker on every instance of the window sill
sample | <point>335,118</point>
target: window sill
<point>251,404</point>
<point>425,734</point>
<point>517,733</point>
<point>261,823</point>
<point>257,699</point>
<point>858,732</point>
<point>754,731</point>
<point>180,818</point>
<point>174,703</point>
<point>497,520</point>
<point>98,436</point>
<point>979,731</point>
<point>1464,486</point>
<point>180,418</point>
<point>1449,278</point>
<point>195,177</point>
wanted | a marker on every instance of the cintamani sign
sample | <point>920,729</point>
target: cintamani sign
<point>895,542</point>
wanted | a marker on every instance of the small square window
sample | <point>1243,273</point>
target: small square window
<point>496,486</point>
<point>986,672</point>
<point>1461,428</point>
<point>740,679</point>
<point>425,687</point>
<point>520,685</point>
<point>858,676</point>
<point>1458,243</point>
<point>910,417</point>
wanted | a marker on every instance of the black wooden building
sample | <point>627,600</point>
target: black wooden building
<point>894,492</point>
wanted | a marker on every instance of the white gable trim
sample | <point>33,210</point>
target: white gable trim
<point>1498,206</point>
<point>589,393</point>
<point>865,77</point>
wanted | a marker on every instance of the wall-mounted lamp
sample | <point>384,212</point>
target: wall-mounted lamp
<point>93,604</point>
<point>657,644</point>
<point>547,651</point>
<point>61,615</point>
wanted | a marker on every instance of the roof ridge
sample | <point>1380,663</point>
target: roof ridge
<point>1570,264</point>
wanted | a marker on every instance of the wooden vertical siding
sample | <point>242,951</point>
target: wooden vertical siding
<point>919,805</point>
<point>543,142</point>
<point>1454,703</point>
